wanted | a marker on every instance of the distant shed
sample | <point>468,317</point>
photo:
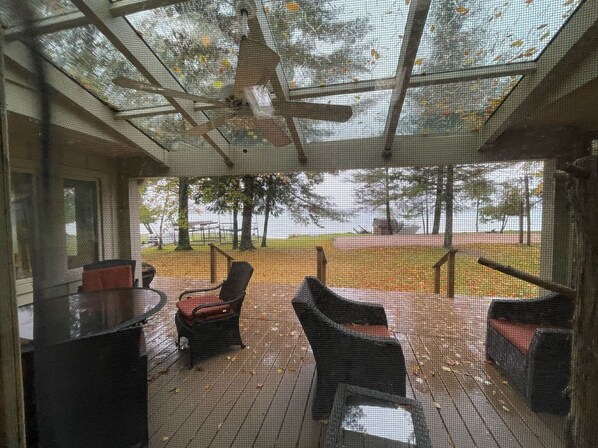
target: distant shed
<point>380,226</point>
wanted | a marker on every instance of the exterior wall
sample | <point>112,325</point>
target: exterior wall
<point>75,164</point>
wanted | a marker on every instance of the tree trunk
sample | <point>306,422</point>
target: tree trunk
<point>505,219</point>
<point>477,216</point>
<point>184,242</point>
<point>236,226</point>
<point>528,210</point>
<point>448,225</point>
<point>438,201</point>
<point>266,218</point>
<point>246,243</point>
<point>583,193</point>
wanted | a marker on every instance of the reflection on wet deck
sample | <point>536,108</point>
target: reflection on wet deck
<point>261,396</point>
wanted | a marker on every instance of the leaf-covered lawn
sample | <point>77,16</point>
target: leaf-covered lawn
<point>287,261</point>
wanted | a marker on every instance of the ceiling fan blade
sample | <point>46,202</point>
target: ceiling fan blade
<point>255,66</point>
<point>272,132</point>
<point>313,111</point>
<point>204,128</point>
<point>129,83</point>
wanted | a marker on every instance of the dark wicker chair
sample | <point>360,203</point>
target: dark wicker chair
<point>210,320</point>
<point>530,342</point>
<point>111,264</point>
<point>350,342</point>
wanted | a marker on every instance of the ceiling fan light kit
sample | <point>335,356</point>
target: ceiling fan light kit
<point>259,101</point>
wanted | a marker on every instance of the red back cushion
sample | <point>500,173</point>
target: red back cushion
<point>186,307</point>
<point>374,330</point>
<point>107,278</point>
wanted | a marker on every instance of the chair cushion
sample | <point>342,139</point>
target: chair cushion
<point>107,278</point>
<point>186,307</point>
<point>374,330</point>
<point>520,334</point>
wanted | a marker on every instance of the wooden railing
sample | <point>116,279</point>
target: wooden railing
<point>450,257</point>
<point>321,263</point>
<point>213,252</point>
<point>543,283</point>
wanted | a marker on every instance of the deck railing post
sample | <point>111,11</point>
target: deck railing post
<point>436,279</point>
<point>321,264</point>
<point>449,257</point>
<point>212,263</point>
<point>451,275</point>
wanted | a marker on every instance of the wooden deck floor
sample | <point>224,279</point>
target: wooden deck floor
<point>261,396</point>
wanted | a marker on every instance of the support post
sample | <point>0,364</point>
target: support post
<point>12,417</point>
<point>583,193</point>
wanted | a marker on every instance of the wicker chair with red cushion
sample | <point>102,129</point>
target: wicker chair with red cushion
<point>107,278</point>
<point>351,344</point>
<point>529,340</point>
<point>106,264</point>
<point>209,317</point>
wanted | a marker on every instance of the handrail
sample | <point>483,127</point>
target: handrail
<point>450,257</point>
<point>229,262</point>
<point>543,283</point>
<point>321,263</point>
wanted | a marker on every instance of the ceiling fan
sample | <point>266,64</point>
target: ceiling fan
<point>247,103</point>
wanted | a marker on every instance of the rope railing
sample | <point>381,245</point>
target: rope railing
<point>214,251</point>
<point>450,257</point>
<point>321,263</point>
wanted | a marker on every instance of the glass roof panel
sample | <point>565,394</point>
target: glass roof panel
<point>475,33</point>
<point>13,12</point>
<point>243,134</point>
<point>88,57</point>
<point>457,107</point>
<point>198,42</point>
<point>336,41</point>
<point>368,120</point>
<point>170,131</point>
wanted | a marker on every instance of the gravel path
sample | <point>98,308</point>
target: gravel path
<point>363,241</point>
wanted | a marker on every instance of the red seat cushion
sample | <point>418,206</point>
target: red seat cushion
<point>520,334</point>
<point>107,278</point>
<point>186,307</point>
<point>374,330</point>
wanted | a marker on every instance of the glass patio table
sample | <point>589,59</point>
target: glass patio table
<point>84,314</point>
<point>363,418</point>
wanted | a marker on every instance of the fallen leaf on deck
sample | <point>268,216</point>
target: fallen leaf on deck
<point>436,405</point>
<point>199,369</point>
<point>207,387</point>
<point>258,385</point>
<point>447,369</point>
<point>280,370</point>
<point>506,409</point>
<point>165,438</point>
<point>176,390</point>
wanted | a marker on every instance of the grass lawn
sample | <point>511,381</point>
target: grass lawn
<point>287,261</point>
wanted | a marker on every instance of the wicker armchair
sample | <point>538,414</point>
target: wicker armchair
<point>209,317</point>
<point>530,342</point>
<point>350,342</point>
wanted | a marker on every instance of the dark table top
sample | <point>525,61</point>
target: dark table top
<point>88,314</point>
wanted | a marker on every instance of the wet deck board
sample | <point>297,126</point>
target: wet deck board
<point>218,403</point>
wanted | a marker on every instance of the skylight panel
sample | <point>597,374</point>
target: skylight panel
<point>197,42</point>
<point>13,12</point>
<point>338,41</point>
<point>170,131</point>
<point>475,33</point>
<point>368,120</point>
<point>88,57</point>
<point>453,108</point>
